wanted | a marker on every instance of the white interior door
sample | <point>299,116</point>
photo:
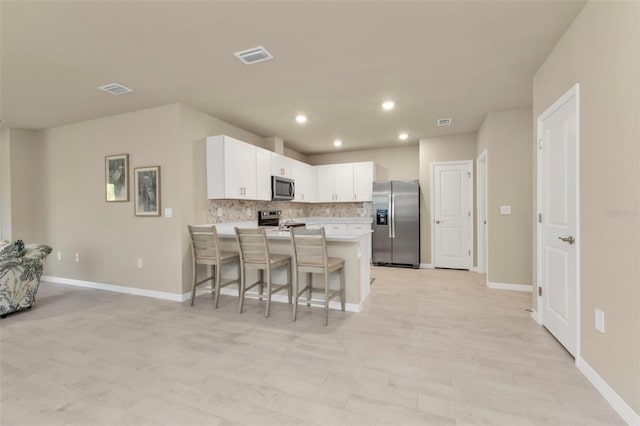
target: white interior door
<point>558,219</point>
<point>452,201</point>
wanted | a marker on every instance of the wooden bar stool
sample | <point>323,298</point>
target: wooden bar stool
<point>254,254</point>
<point>310,257</point>
<point>205,250</point>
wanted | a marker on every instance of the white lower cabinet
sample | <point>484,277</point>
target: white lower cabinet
<point>352,227</point>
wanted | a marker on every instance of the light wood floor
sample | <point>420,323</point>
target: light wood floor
<point>431,347</point>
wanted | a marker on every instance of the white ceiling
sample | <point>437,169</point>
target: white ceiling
<point>334,61</point>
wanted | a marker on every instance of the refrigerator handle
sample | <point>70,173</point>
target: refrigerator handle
<point>393,216</point>
<point>390,224</point>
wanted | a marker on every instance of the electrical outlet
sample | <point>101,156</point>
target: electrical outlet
<point>59,255</point>
<point>219,211</point>
<point>599,320</point>
<point>77,257</point>
<point>248,211</point>
<point>139,263</point>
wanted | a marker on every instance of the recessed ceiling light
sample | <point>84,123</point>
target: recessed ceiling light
<point>337,142</point>
<point>388,105</point>
<point>301,118</point>
<point>403,136</point>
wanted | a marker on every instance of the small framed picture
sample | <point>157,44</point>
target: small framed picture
<point>147,191</point>
<point>116,177</point>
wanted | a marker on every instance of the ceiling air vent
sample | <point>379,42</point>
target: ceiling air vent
<point>444,122</point>
<point>115,89</point>
<point>254,55</point>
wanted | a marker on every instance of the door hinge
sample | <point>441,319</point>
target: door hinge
<point>539,217</point>
<point>469,175</point>
<point>539,143</point>
<point>469,214</point>
<point>469,252</point>
<point>539,291</point>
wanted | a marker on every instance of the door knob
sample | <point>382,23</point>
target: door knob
<point>439,221</point>
<point>568,239</point>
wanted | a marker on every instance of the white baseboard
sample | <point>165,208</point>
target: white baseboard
<point>536,317</point>
<point>426,266</point>
<point>176,297</point>
<point>282,298</point>
<point>618,404</point>
<point>509,286</point>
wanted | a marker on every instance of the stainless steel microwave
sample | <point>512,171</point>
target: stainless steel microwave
<point>282,188</point>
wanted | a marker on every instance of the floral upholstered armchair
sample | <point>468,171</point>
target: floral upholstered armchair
<point>20,271</point>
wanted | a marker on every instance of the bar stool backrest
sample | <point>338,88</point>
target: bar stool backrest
<point>253,245</point>
<point>309,247</point>
<point>204,242</point>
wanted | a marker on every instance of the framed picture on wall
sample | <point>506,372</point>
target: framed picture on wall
<point>147,191</point>
<point>116,176</point>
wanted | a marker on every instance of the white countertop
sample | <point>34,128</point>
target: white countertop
<point>226,230</point>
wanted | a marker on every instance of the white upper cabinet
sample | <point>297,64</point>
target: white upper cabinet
<point>238,170</point>
<point>304,176</point>
<point>263,174</point>
<point>345,182</point>
<point>326,184</point>
<point>363,177</point>
<point>281,165</point>
<point>231,169</point>
<point>335,183</point>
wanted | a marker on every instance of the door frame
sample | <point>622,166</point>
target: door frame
<point>482,201</point>
<point>432,196</point>
<point>571,95</point>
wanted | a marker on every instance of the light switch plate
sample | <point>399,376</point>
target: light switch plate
<point>168,212</point>
<point>505,210</point>
<point>599,320</point>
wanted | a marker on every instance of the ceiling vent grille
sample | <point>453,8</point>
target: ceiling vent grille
<point>254,55</point>
<point>115,89</point>
<point>444,122</point>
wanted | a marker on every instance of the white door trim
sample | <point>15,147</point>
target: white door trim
<point>432,197</point>
<point>482,199</point>
<point>572,95</point>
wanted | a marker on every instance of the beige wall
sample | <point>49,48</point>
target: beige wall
<point>5,185</point>
<point>601,51</point>
<point>506,136</point>
<point>194,128</point>
<point>391,164</point>
<point>444,148</point>
<point>76,218</point>
<point>19,202</point>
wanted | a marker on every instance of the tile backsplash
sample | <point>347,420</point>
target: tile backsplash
<point>221,211</point>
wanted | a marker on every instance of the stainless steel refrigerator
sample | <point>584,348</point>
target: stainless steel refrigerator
<point>396,223</point>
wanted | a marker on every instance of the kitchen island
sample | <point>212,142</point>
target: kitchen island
<point>352,246</point>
